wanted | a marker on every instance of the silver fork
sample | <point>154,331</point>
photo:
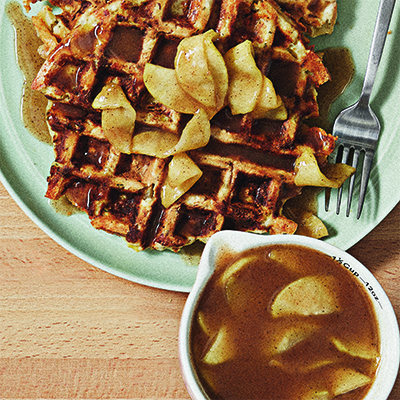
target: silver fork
<point>357,127</point>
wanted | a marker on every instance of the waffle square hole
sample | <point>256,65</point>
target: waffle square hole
<point>194,222</point>
<point>126,44</point>
<point>165,52</point>
<point>251,190</point>
<point>209,183</point>
<point>68,77</point>
<point>285,76</point>
<point>232,123</point>
<point>267,128</point>
<point>83,195</point>
<point>124,164</point>
<point>123,204</point>
<point>91,151</point>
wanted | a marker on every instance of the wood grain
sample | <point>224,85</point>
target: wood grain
<point>71,331</point>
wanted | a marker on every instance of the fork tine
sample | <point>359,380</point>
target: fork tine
<point>367,164</point>
<point>328,190</point>
<point>345,155</point>
<point>356,156</point>
<point>327,198</point>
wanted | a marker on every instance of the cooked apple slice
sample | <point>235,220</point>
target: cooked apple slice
<point>164,144</point>
<point>117,116</point>
<point>356,348</point>
<point>267,102</point>
<point>344,380</point>
<point>110,96</point>
<point>241,296</point>
<point>308,224</point>
<point>236,267</point>
<point>316,394</point>
<point>222,349</point>
<point>303,368</point>
<point>183,173</point>
<point>308,173</point>
<point>196,134</point>
<point>239,293</point>
<point>280,113</point>
<point>311,295</point>
<point>193,71</point>
<point>117,124</point>
<point>284,335</point>
<point>337,173</point>
<point>204,323</point>
<point>154,143</point>
<point>162,83</point>
<point>201,70</point>
<point>291,261</point>
<point>316,365</point>
<point>245,79</point>
<point>219,72</point>
<point>209,377</point>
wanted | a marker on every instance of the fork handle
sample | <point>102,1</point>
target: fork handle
<point>385,12</point>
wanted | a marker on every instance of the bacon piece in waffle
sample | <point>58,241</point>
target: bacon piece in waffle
<point>248,165</point>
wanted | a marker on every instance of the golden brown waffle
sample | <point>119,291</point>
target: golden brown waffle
<point>248,164</point>
<point>319,16</point>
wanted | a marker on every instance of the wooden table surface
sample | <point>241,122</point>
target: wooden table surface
<point>69,330</point>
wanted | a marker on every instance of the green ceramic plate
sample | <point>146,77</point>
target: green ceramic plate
<point>25,162</point>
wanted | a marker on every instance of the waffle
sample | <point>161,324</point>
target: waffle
<point>319,17</point>
<point>248,164</point>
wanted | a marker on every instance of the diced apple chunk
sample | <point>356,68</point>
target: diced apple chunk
<point>311,295</point>
<point>222,349</point>
<point>344,380</point>
<point>355,348</point>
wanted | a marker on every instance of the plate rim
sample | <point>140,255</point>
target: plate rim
<point>33,213</point>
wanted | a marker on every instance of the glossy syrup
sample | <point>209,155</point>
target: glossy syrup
<point>340,64</point>
<point>33,104</point>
